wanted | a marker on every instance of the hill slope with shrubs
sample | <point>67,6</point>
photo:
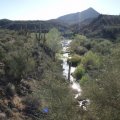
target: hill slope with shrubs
<point>32,86</point>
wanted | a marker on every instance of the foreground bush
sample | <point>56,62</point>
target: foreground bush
<point>101,46</point>
<point>91,61</point>
<point>104,90</point>
<point>74,60</point>
<point>80,50</point>
<point>79,72</point>
<point>84,79</point>
<point>79,40</point>
<point>32,106</point>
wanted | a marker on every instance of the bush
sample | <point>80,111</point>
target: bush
<point>104,89</point>
<point>79,40</point>
<point>10,90</point>
<point>104,94</point>
<point>32,105</point>
<point>80,50</point>
<point>74,60</point>
<point>53,40</point>
<point>91,60</point>
<point>79,72</point>
<point>88,44</point>
<point>2,53</point>
<point>102,46</point>
<point>84,79</point>
<point>18,64</point>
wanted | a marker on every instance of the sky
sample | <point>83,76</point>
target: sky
<point>51,9</point>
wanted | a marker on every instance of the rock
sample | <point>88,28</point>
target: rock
<point>3,107</point>
<point>79,98</point>
<point>17,102</point>
<point>9,113</point>
<point>15,110</point>
<point>3,116</point>
<point>84,102</point>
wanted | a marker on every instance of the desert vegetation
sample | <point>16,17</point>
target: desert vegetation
<point>32,85</point>
<point>31,81</point>
<point>98,75</point>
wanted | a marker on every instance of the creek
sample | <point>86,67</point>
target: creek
<point>66,54</point>
<point>74,85</point>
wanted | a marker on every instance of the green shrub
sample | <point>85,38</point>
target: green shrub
<point>104,93</point>
<point>75,60</point>
<point>2,53</point>
<point>80,50</point>
<point>88,44</point>
<point>10,90</point>
<point>102,46</point>
<point>79,40</point>
<point>91,60</point>
<point>53,40</point>
<point>18,65</point>
<point>84,79</point>
<point>79,72</point>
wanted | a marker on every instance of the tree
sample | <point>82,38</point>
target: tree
<point>53,41</point>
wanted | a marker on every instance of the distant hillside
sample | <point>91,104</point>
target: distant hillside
<point>32,25</point>
<point>88,22</point>
<point>106,26</point>
<point>62,23</point>
<point>76,27</point>
<point>79,16</point>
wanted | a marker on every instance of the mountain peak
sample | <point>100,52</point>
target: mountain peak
<point>79,16</point>
<point>90,8</point>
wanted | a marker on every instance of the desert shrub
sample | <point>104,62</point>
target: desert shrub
<point>103,90</point>
<point>79,72</point>
<point>53,40</point>
<point>74,60</point>
<point>79,40</point>
<point>101,46</point>
<point>10,90</point>
<point>80,50</point>
<point>88,44</point>
<point>84,79</point>
<point>32,105</point>
<point>2,52</point>
<point>90,61</point>
<point>104,94</point>
<point>18,65</point>
<point>19,60</point>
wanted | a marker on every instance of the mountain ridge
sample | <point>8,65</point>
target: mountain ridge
<point>104,26</point>
<point>78,17</point>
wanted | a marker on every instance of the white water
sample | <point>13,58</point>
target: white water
<point>73,83</point>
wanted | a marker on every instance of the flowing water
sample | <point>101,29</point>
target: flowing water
<point>75,86</point>
<point>73,83</point>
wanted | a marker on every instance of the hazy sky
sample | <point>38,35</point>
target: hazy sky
<point>50,9</point>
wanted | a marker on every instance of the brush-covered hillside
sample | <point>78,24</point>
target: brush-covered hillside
<point>105,26</point>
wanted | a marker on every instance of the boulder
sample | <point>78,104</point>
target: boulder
<point>3,116</point>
